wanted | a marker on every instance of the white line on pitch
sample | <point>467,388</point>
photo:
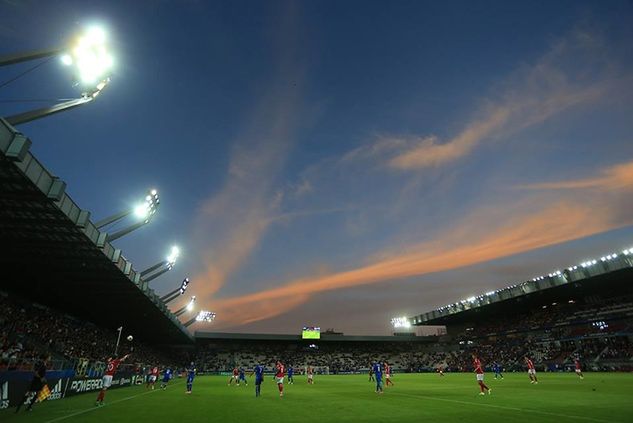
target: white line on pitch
<point>87,410</point>
<point>503,407</point>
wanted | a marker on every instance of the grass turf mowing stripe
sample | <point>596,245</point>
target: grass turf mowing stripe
<point>87,410</point>
<point>503,407</point>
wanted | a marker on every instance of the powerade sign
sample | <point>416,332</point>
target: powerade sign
<point>13,385</point>
<point>80,385</point>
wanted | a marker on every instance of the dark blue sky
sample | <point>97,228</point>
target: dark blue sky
<point>340,163</point>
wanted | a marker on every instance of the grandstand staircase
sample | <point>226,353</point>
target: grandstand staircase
<point>595,360</point>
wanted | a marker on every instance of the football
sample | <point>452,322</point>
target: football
<point>130,338</point>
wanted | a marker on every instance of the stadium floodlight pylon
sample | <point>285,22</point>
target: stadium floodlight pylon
<point>202,316</point>
<point>151,272</point>
<point>401,322</point>
<point>169,297</point>
<point>188,307</point>
<point>144,211</point>
<point>92,61</point>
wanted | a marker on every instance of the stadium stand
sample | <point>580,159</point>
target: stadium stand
<point>29,330</point>
<point>590,319</point>
<point>339,354</point>
<point>56,256</point>
<point>61,273</point>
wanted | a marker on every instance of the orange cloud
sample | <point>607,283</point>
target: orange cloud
<point>231,223</point>
<point>555,83</point>
<point>428,152</point>
<point>226,258</point>
<point>615,177</point>
<point>557,223</point>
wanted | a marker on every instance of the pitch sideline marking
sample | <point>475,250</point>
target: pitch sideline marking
<point>87,410</point>
<point>503,407</point>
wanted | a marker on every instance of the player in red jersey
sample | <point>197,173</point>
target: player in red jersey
<point>151,378</point>
<point>479,372</point>
<point>111,366</point>
<point>310,373</point>
<point>531,370</point>
<point>279,377</point>
<point>235,376</point>
<point>440,370</point>
<point>578,368</point>
<point>387,368</point>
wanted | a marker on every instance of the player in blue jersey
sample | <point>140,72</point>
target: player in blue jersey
<point>259,378</point>
<point>496,367</point>
<point>378,374</point>
<point>191,374</point>
<point>291,372</point>
<point>166,378</point>
<point>242,377</point>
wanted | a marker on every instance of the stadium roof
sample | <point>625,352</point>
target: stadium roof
<point>54,255</point>
<point>208,336</point>
<point>613,271</point>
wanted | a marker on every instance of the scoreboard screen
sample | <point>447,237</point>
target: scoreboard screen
<point>311,332</point>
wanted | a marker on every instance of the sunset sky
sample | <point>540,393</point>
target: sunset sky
<point>339,163</point>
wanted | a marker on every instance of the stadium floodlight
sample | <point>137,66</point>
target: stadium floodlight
<point>202,316</point>
<point>148,208</point>
<point>92,61</point>
<point>168,263</point>
<point>143,212</point>
<point>173,255</point>
<point>188,307</point>
<point>90,56</point>
<point>167,298</point>
<point>205,316</point>
<point>147,275</point>
<point>588,263</point>
<point>400,322</point>
<point>191,303</point>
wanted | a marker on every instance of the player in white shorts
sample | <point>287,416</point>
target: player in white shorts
<point>107,381</point>
<point>387,368</point>
<point>111,367</point>
<point>151,378</point>
<point>279,377</point>
<point>531,370</point>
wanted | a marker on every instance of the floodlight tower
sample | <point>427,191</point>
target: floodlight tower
<point>153,272</point>
<point>402,325</point>
<point>202,316</point>
<point>144,212</point>
<point>92,62</point>
<point>188,307</point>
<point>167,298</point>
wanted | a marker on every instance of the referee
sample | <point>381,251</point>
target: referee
<point>38,382</point>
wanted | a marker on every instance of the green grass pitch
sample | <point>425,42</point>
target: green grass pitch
<point>600,397</point>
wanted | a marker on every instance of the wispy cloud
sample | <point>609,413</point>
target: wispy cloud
<point>575,71</point>
<point>615,177</point>
<point>492,233</point>
<point>231,223</point>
